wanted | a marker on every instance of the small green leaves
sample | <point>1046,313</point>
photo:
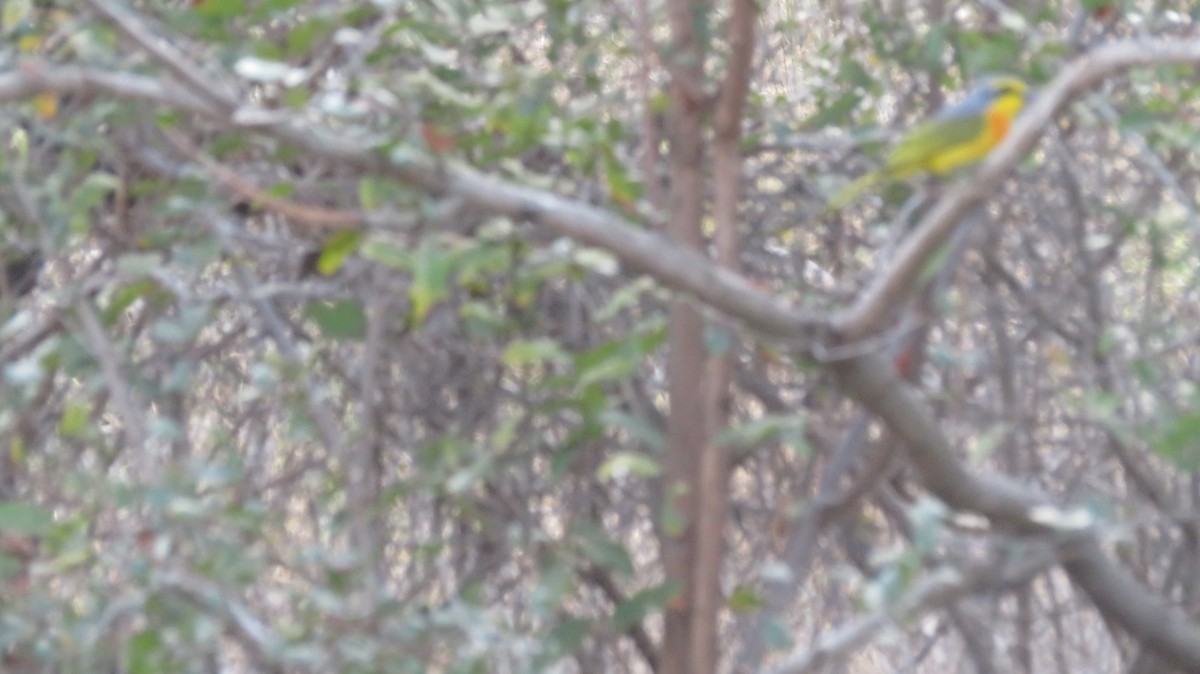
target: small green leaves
<point>643,603</point>
<point>622,464</point>
<point>74,420</point>
<point>220,9</point>
<point>744,600</point>
<point>342,319</point>
<point>339,246</point>
<point>1179,440</point>
<point>833,113</point>
<point>24,519</point>
<point>532,352</point>
<point>601,550</point>
<point>431,279</point>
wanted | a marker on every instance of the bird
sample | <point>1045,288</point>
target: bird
<point>958,136</point>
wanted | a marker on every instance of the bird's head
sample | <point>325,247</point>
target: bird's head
<point>995,93</point>
<point>1006,87</point>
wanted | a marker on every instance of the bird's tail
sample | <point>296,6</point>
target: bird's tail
<point>854,190</point>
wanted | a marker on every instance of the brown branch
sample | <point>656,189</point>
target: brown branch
<point>651,153</point>
<point>688,645</point>
<point>130,407</point>
<point>1154,622</point>
<point>300,212</point>
<point>942,588</point>
<point>677,267</point>
<point>712,497</point>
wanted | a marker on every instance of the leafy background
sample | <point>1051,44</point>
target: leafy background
<point>272,409</point>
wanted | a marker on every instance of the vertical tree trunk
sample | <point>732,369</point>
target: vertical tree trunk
<point>712,501</point>
<point>697,468</point>
<point>687,433</point>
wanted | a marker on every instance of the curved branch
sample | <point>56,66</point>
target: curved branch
<point>641,250</point>
<point>942,588</point>
<point>1154,622</point>
<point>898,281</point>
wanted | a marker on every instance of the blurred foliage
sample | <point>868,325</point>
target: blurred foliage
<point>435,445</point>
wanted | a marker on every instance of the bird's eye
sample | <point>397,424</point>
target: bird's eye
<point>1008,88</point>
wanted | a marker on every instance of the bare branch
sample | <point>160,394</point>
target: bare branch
<point>35,77</point>
<point>176,61</point>
<point>256,637</point>
<point>940,589</point>
<point>1154,622</point>
<point>129,405</point>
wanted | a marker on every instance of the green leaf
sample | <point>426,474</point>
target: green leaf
<point>387,253</point>
<point>836,113</point>
<point>623,188</point>
<point>74,420</point>
<point>990,52</point>
<point>10,566</point>
<point>1179,441</point>
<point>16,13</point>
<point>301,38</point>
<point>1137,120</point>
<point>928,516</point>
<point>139,264</point>
<point>671,519</point>
<point>125,295</point>
<point>744,600</point>
<point>343,319</point>
<point>554,584</point>
<point>622,464</point>
<point>183,327</point>
<point>488,22</point>
<point>220,9</point>
<point>934,47</point>
<point>617,359</point>
<point>777,634</point>
<point>635,609</point>
<point>25,519</point>
<point>788,428</point>
<point>431,279</point>
<point>533,352</point>
<point>372,192</point>
<point>94,190</point>
<point>601,550</point>
<point>636,426</point>
<point>933,264</point>
<point>144,652</point>
<point>339,246</point>
<point>468,477</point>
<point>852,73</point>
<point>566,637</point>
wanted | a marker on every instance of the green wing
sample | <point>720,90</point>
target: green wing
<point>914,152</point>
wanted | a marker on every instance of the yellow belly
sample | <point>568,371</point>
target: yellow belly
<point>997,120</point>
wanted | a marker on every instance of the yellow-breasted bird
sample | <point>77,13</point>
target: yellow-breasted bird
<point>960,135</point>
